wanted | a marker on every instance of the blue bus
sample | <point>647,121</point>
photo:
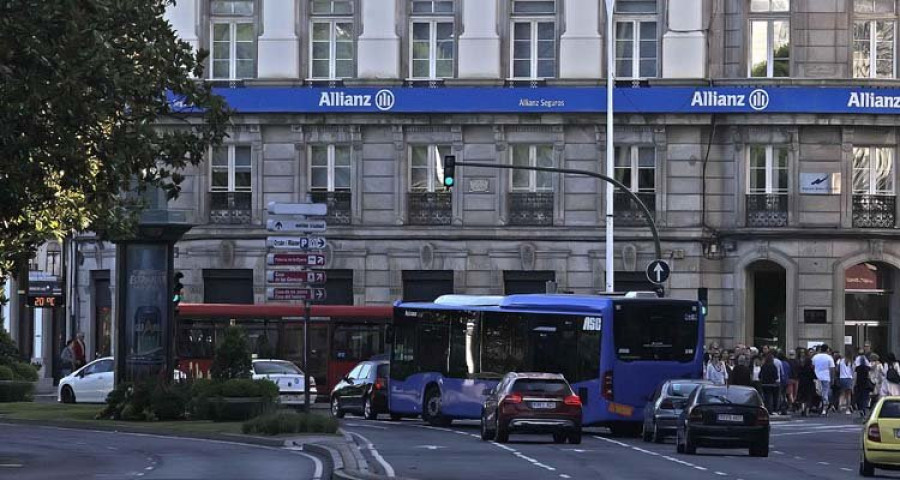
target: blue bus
<point>613,350</point>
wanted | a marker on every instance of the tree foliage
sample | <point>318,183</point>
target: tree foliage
<point>232,358</point>
<point>85,115</point>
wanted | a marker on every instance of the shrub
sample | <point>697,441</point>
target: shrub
<point>146,402</point>
<point>25,371</point>
<point>216,400</point>
<point>289,422</point>
<point>9,353</point>
<point>13,391</point>
<point>6,373</point>
<point>232,358</point>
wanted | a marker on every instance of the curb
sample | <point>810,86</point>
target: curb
<point>342,457</point>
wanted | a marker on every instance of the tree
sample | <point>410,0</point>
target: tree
<point>85,114</point>
<point>232,359</point>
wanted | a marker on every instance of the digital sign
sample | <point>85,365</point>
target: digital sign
<point>45,301</point>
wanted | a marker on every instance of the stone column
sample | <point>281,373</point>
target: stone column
<point>279,47</point>
<point>378,46</point>
<point>684,42</point>
<point>581,45</point>
<point>479,45</point>
<point>183,17</point>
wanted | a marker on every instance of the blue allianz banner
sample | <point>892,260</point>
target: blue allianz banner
<point>649,100</point>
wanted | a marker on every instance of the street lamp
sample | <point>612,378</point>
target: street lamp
<point>610,171</point>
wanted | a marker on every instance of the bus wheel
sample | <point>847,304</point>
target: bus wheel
<point>431,411</point>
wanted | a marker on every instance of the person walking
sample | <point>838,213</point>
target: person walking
<point>862,386</point>
<point>78,349</point>
<point>891,384</point>
<point>768,379</point>
<point>845,379</point>
<point>823,364</point>
<point>67,359</point>
<point>793,379</point>
<point>715,370</point>
<point>806,386</point>
<point>876,375</point>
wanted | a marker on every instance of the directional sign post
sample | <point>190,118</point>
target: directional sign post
<point>297,243</point>
<point>309,277</point>
<point>296,259</point>
<point>290,293</point>
<point>658,271</point>
<point>290,224</point>
<point>316,209</point>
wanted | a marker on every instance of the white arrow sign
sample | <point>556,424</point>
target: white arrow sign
<point>658,271</point>
<point>275,208</point>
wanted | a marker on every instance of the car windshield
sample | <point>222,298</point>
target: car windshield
<point>890,410</point>
<point>553,387</point>
<point>681,389</point>
<point>276,368</point>
<point>740,396</point>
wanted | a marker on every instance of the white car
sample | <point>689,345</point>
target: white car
<point>289,379</point>
<point>93,382</point>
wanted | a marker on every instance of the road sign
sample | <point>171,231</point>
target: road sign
<point>296,259</point>
<point>297,243</point>
<point>658,271</point>
<point>312,277</point>
<point>290,224</point>
<point>281,293</point>
<point>275,208</point>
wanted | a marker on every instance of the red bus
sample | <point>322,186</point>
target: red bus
<point>340,336</point>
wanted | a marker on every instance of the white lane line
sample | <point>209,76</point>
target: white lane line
<point>798,458</point>
<point>647,452</point>
<point>723,474</point>
<point>388,469</point>
<point>319,467</point>
<point>377,427</point>
<point>563,475</point>
<point>777,452</point>
<point>823,463</point>
<point>519,454</point>
<point>818,432</point>
<point>846,469</point>
<point>149,468</point>
<point>11,465</point>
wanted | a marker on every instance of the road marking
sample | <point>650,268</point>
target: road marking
<point>798,458</point>
<point>721,473</point>
<point>429,447</point>
<point>319,467</point>
<point>846,469</point>
<point>651,453</point>
<point>11,465</point>
<point>563,475</point>
<point>823,463</point>
<point>777,452</point>
<point>388,469</point>
<point>149,468</point>
<point>378,427</point>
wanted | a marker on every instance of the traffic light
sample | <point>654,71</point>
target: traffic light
<point>178,289</point>
<point>449,171</point>
<point>703,298</point>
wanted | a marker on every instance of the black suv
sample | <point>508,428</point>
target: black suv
<point>363,391</point>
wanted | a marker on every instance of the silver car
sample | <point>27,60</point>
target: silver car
<point>664,407</point>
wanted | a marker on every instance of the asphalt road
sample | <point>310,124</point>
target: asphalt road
<point>813,448</point>
<point>46,453</point>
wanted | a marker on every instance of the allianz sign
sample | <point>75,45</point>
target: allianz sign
<point>757,99</point>
<point>382,100</point>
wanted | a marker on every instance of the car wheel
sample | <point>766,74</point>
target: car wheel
<point>559,437</point>
<point>431,411</point>
<point>866,468</point>
<point>645,434</point>
<point>486,434</point>
<point>575,438</point>
<point>679,447</point>
<point>502,435</point>
<point>336,410</point>
<point>68,396</point>
<point>689,447</point>
<point>656,436</point>
<point>761,450</point>
<point>368,412</point>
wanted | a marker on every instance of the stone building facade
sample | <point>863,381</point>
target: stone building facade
<point>785,215</point>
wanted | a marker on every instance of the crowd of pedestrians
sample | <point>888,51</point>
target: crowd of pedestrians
<point>815,380</point>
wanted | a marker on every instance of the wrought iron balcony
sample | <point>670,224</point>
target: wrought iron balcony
<point>874,211</point>
<point>767,210</point>
<point>230,208</point>
<point>340,207</point>
<point>531,208</point>
<point>628,213</point>
<point>429,208</point>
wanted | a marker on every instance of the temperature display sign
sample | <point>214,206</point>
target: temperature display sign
<point>45,301</point>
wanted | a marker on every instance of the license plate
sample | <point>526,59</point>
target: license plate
<point>543,404</point>
<point>730,418</point>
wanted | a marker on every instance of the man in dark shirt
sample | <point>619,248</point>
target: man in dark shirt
<point>741,374</point>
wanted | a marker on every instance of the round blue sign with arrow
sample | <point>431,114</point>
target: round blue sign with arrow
<point>658,271</point>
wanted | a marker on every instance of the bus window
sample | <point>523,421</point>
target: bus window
<point>403,357</point>
<point>433,344</point>
<point>552,339</point>
<point>588,356</point>
<point>357,342</point>
<point>655,332</point>
<point>464,352</point>
<point>503,344</point>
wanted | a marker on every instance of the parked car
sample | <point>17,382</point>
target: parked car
<point>880,440</point>
<point>363,391</point>
<point>723,417</point>
<point>288,377</point>
<point>664,407</point>
<point>531,403</point>
<point>93,382</point>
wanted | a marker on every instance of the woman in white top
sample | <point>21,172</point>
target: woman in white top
<point>876,375</point>
<point>715,370</point>
<point>845,380</point>
<point>757,365</point>
<point>889,388</point>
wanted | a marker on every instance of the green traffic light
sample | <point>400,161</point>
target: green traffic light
<point>448,181</point>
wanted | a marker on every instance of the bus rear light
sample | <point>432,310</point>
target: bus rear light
<point>573,400</point>
<point>513,398</point>
<point>874,433</point>
<point>380,384</point>
<point>607,387</point>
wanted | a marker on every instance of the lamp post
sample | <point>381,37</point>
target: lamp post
<point>610,171</point>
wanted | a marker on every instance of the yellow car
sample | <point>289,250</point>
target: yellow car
<point>881,437</point>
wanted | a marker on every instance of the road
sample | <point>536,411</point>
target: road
<point>46,453</point>
<point>813,448</point>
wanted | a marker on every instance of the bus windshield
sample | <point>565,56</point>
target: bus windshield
<point>655,332</point>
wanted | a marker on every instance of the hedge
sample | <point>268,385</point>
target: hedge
<point>290,422</point>
<point>16,391</point>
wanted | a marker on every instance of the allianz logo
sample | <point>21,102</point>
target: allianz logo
<point>383,100</point>
<point>757,99</point>
<point>872,100</point>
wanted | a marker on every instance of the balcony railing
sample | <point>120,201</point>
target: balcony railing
<point>429,208</point>
<point>230,208</point>
<point>531,208</point>
<point>874,211</point>
<point>767,210</point>
<point>628,213</point>
<point>340,207</point>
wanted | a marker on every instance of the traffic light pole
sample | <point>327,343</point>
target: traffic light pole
<point>648,217</point>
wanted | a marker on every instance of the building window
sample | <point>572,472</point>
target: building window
<point>233,34</point>
<point>432,42</point>
<point>429,203</point>
<point>635,167</point>
<point>636,39</point>
<point>329,180</point>
<point>228,286</point>
<point>533,49</point>
<point>426,285</point>
<point>874,201</point>
<point>767,186</point>
<point>770,38</point>
<point>332,40</point>
<point>873,39</point>
<point>531,193</point>
<point>231,184</point>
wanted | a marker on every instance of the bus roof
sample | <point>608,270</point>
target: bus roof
<point>529,302</point>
